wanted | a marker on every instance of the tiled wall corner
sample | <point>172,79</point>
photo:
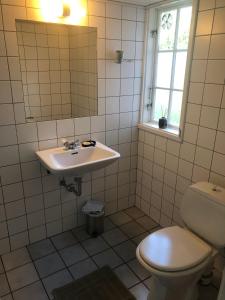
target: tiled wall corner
<point>32,205</point>
<point>165,167</point>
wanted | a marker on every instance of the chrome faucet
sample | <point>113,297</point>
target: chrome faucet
<point>71,145</point>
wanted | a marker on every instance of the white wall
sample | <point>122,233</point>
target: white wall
<point>166,168</point>
<point>32,205</point>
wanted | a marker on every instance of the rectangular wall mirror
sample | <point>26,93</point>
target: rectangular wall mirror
<point>59,70</point>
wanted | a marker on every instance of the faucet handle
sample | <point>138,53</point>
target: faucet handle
<point>77,143</point>
<point>65,142</point>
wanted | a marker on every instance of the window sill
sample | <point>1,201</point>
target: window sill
<point>169,133</point>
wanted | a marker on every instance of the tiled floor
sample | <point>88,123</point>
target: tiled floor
<point>33,272</point>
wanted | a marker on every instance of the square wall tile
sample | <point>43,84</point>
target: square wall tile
<point>212,95</point>
<point>27,133</point>
<point>218,163</point>
<point>205,22</point>
<point>201,47</point>
<point>203,157</point>
<point>219,21</point>
<point>221,120</point>
<point>209,117</point>
<point>207,4</point>
<point>216,47</point>
<point>22,276</point>
<point>113,10</point>
<point>65,128</point>
<point>82,126</point>
<point>15,259</point>
<point>215,71</point>
<point>220,142</point>
<point>8,135</point>
<point>6,114</point>
<point>198,70</point>
<point>113,29</point>
<point>46,130</point>
<point>206,137</point>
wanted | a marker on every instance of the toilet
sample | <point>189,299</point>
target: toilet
<point>177,257</point>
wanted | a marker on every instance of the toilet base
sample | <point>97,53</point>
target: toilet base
<point>160,292</point>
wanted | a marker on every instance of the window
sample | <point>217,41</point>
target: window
<point>166,60</point>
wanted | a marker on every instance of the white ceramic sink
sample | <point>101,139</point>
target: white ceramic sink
<point>62,162</point>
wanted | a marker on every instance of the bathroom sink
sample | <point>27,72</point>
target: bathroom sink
<point>63,162</point>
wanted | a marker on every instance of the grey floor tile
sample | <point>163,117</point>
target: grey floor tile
<point>49,264</point>
<point>34,291</point>
<point>134,212</point>
<point>4,287</point>
<point>140,238</point>
<point>147,222</point>
<point>114,236</point>
<point>138,269</point>
<point>56,280</point>
<point>108,224</point>
<point>155,229</point>
<point>1,267</point>
<point>81,234</point>
<point>120,218</point>
<point>126,276</point>
<point>126,250</point>
<point>95,245</point>
<point>73,254</point>
<point>83,268</point>
<point>108,257</point>
<point>16,259</point>
<point>40,249</point>
<point>147,282</point>
<point>140,292</point>
<point>132,229</point>
<point>7,297</point>
<point>64,240</point>
<point>22,276</point>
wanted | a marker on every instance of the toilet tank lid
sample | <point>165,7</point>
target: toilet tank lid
<point>211,191</point>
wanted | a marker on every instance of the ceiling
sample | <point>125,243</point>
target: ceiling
<point>140,2</point>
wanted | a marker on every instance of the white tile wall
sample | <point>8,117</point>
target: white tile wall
<point>165,167</point>
<point>32,204</point>
<point>201,155</point>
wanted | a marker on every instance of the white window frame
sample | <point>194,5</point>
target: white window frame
<point>149,66</point>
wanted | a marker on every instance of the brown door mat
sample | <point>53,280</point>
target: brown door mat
<point>102,284</point>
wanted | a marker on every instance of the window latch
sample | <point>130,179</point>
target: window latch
<point>149,106</point>
<point>180,132</point>
<point>154,33</point>
<point>150,93</point>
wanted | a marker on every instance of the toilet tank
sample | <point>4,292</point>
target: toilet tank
<point>203,211</point>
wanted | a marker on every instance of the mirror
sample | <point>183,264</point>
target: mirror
<point>59,70</point>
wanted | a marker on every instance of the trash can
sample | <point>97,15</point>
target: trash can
<point>95,223</point>
<point>94,211</point>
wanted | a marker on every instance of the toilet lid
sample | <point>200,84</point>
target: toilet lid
<point>173,249</point>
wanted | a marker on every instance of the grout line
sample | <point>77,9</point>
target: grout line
<point>77,242</point>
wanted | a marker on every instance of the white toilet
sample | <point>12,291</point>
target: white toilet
<point>177,257</point>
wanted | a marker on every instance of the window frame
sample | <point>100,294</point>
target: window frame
<point>150,58</point>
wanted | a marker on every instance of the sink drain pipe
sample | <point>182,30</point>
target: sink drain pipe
<point>75,187</point>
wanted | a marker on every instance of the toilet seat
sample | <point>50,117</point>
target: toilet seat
<point>173,249</point>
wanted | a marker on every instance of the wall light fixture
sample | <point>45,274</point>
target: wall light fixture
<point>66,11</point>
